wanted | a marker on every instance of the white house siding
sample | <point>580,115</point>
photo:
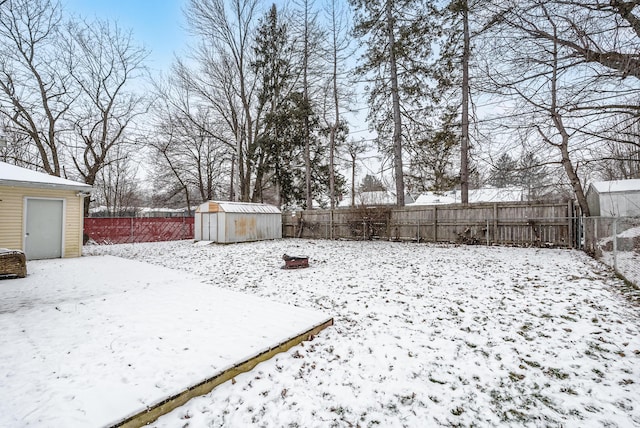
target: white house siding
<point>12,202</point>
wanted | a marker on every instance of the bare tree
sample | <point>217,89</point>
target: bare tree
<point>35,91</point>
<point>352,151</point>
<point>560,89</point>
<point>338,95</point>
<point>191,153</point>
<point>226,80</point>
<point>104,62</point>
<point>116,184</point>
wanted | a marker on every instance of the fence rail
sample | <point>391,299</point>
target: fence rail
<point>133,229</point>
<point>524,224</point>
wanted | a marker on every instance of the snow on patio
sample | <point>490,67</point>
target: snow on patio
<point>424,335</point>
<point>89,341</point>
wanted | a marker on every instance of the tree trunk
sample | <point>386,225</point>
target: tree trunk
<point>305,77</point>
<point>464,144</point>
<point>395,99</point>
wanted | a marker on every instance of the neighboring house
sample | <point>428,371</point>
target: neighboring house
<point>40,214</point>
<point>619,198</point>
<point>436,198</point>
<point>373,198</point>
<point>485,194</point>
<point>164,212</point>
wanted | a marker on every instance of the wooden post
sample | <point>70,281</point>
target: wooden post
<point>570,223</point>
<point>435,224</point>
<point>495,223</point>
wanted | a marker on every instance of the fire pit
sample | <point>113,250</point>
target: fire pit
<point>295,262</point>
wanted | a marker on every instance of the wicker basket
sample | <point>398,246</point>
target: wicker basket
<point>13,263</point>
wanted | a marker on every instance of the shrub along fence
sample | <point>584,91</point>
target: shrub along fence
<point>521,223</point>
<point>134,229</point>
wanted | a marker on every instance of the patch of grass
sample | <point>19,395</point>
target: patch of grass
<point>516,377</point>
<point>568,390</point>
<point>524,334</point>
<point>526,327</point>
<point>457,411</point>
<point>407,399</point>
<point>434,380</point>
<point>514,415</point>
<point>568,318</point>
<point>546,401</point>
<point>596,347</point>
<point>556,373</point>
<point>533,364</point>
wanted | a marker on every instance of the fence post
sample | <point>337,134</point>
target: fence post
<point>570,223</point>
<point>435,223</point>
<point>495,223</point>
<point>487,232</point>
<point>615,244</point>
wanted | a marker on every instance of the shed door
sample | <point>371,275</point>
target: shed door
<point>43,229</point>
<point>213,227</point>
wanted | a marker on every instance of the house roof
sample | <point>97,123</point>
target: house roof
<point>237,207</point>
<point>485,194</point>
<point>616,186</point>
<point>15,176</point>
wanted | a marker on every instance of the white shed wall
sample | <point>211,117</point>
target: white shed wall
<point>241,223</point>
<point>244,227</point>
<point>623,204</point>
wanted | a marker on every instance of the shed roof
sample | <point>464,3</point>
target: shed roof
<point>12,175</point>
<point>616,186</point>
<point>237,207</point>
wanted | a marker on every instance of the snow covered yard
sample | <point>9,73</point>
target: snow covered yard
<point>424,335</point>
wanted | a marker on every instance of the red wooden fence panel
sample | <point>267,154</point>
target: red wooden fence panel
<point>130,229</point>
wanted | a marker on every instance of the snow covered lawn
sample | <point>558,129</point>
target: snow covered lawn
<point>87,342</point>
<point>424,335</point>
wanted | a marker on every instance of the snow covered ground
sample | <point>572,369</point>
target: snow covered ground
<point>87,342</point>
<point>424,335</point>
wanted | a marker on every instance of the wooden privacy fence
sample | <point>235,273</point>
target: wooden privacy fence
<point>521,223</point>
<point>133,229</point>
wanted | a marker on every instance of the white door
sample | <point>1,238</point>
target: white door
<point>43,228</point>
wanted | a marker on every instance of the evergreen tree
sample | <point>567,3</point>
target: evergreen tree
<point>505,172</point>
<point>398,36</point>
<point>273,64</point>
<point>371,184</point>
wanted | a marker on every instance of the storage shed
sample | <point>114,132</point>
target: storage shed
<point>229,222</point>
<point>40,214</point>
<point>619,198</point>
